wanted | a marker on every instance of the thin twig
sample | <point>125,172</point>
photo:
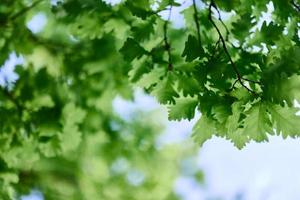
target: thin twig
<point>233,85</point>
<point>220,19</point>
<point>251,81</point>
<point>245,79</point>
<point>167,44</point>
<point>197,22</point>
<point>238,75</point>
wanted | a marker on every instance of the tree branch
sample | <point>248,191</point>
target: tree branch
<point>233,85</point>
<point>238,75</point>
<point>220,19</point>
<point>196,22</point>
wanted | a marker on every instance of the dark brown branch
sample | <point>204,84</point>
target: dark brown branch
<point>197,22</point>
<point>166,41</point>
<point>238,75</point>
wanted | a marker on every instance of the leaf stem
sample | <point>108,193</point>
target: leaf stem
<point>233,85</point>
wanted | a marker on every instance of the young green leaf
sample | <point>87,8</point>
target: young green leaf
<point>165,92</point>
<point>132,49</point>
<point>203,130</point>
<point>183,109</point>
<point>257,123</point>
<point>285,120</point>
<point>192,49</point>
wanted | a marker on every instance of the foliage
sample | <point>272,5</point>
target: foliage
<point>241,77</point>
<point>118,162</point>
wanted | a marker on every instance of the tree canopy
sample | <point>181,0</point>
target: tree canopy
<point>242,73</point>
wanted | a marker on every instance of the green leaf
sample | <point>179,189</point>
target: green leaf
<point>143,30</point>
<point>233,126</point>
<point>203,130</point>
<point>228,5</point>
<point>40,101</point>
<point>233,121</point>
<point>281,79</point>
<point>188,85</point>
<point>192,49</point>
<point>164,3</point>
<point>238,138</point>
<point>183,109</point>
<point>285,90</point>
<point>139,8</point>
<point>268,34</point>
<point>71,136</point>
<point>285,120</point>
<point>165,92</point>
<point>242,26</point>
<point>139,68</point>
<point>72,114</point>
<point>22,156</point>
<point>221,112</point>
<point>151,78</point>
<point>132,49</point>
<point>257,123</point>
